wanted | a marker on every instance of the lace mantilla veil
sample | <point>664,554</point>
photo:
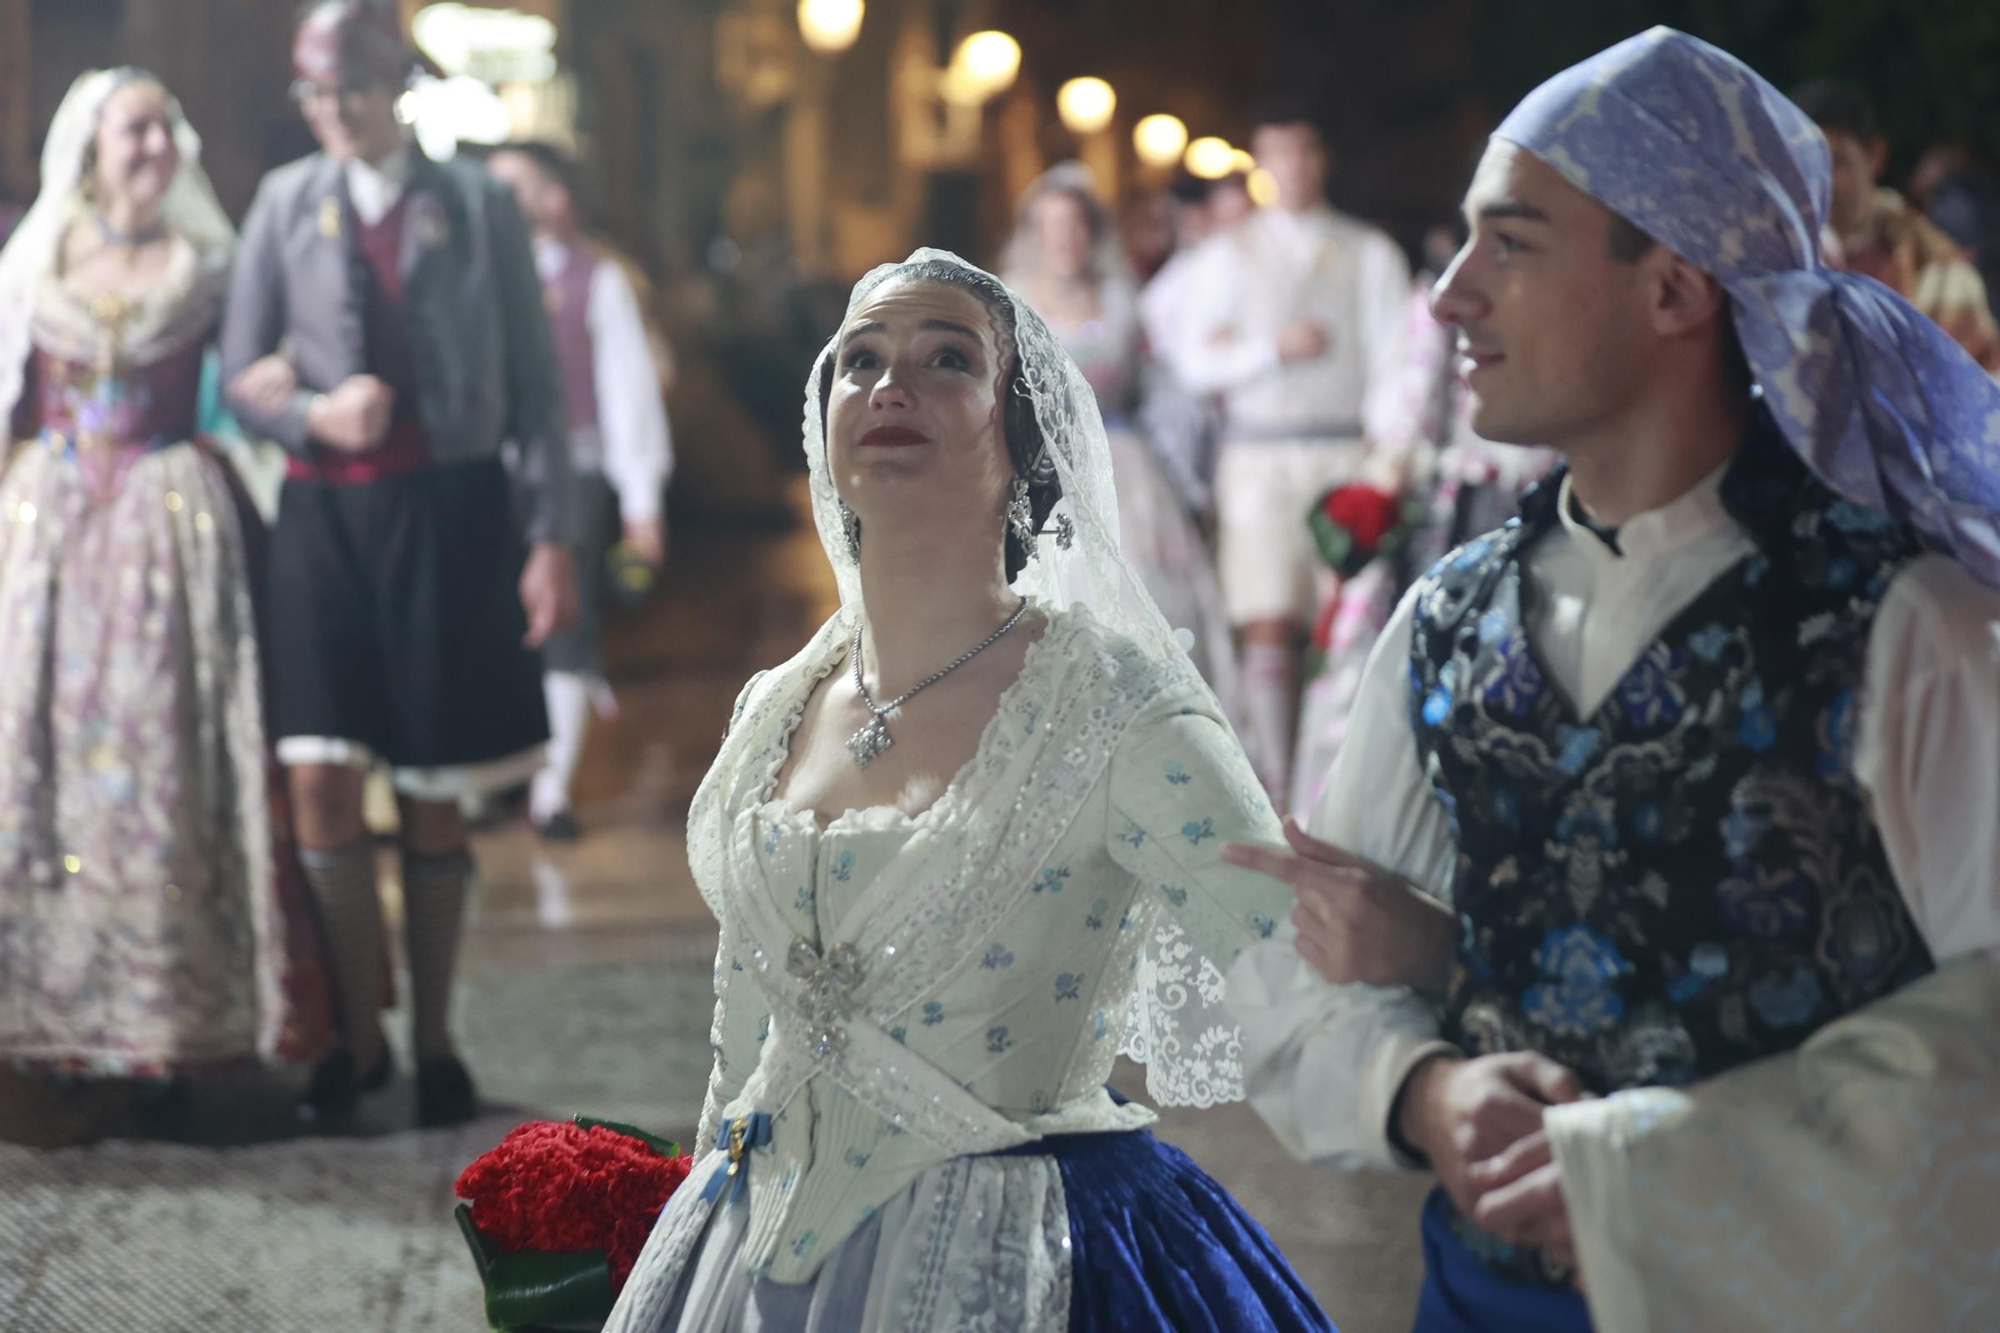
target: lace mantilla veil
<point>190,210</point>
<point>1093,572</point>
<point>1176,1028</point>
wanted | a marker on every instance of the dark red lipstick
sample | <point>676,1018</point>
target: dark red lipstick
<point>894,437</point>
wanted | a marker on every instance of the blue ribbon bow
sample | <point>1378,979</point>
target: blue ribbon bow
<point>738,1138</point>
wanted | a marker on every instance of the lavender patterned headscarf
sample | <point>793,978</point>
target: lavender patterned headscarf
<point>1691,146</point>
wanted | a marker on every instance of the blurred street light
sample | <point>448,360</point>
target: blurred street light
<point>983,67</point>
<point>1240,162</point>
<point>1086,105</point>
<point>445,113</point>
<point>1160,140</point>
<point>1210,158</point>
<point>496,45</point>
<point>830,26</point>
<point>1263,188</point>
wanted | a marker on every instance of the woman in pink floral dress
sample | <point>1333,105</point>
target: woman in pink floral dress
<point>145,918</point>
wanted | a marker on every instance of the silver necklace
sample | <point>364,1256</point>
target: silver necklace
<point>873,741</point>
<point>131,240</point>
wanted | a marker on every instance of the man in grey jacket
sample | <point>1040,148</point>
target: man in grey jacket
<point>403,623</point>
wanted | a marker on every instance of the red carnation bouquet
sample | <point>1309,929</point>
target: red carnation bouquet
<point>1356,523</point>
<point>556,1215</point>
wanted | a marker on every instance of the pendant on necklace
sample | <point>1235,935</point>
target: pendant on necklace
<point>870,743</point>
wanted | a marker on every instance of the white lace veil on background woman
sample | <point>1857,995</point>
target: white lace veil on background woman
<point>1165,430</point>
<point>189,210</point>
<point>1109,269</point>
<point>987,855</point>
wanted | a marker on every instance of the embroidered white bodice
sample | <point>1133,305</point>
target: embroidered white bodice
<point>896,991</point>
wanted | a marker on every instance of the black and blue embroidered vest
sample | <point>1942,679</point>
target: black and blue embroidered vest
<point>1689,878</point>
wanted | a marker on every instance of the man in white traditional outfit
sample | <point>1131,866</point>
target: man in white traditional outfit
<point>619,448</point>
<point>1703,752</point>
<point>1202,210</point>
<point>1294,318</point>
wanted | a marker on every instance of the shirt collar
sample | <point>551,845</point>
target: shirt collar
<point>1306,223</point>
<point>1695,514</point>
<point>387,177</point>
<point>551,257</point>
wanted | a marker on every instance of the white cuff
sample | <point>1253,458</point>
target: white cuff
<point>1322,1064</point>
<point>1591,1141</point>
<point>639,498</point>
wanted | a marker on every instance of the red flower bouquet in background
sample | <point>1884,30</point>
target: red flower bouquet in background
<point>556,1215</point>
<point>1356,523</point>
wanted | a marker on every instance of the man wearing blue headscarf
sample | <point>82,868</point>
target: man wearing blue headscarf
<point>1701,754</point>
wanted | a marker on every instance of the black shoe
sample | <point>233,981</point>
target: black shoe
<point>335,1089</point>
<point>445,1095</point>
<point>162,1109</point>
<point>497,809</point>
<point>559,827</point>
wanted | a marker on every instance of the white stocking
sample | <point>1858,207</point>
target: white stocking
<point>568,695</point>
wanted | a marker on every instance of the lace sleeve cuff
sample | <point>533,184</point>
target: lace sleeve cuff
<point>1180,791</point>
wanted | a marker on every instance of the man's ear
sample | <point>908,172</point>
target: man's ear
<point>1878,157</point>
<point>1684,297</point>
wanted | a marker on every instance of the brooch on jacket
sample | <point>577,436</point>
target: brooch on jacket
<point>428,223</point>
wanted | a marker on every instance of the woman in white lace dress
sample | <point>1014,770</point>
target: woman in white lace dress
<point>943,918</point>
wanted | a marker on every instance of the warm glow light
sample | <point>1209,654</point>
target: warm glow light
<point>1086,105</point>
<point>1160,140</point>
<point>448,112</point>
<point>1263,188</point>
<point>1242,161</point>
<point>982,68</point>
<point>1210,158</point>
<point>830,26</point>
<point>468,40</point>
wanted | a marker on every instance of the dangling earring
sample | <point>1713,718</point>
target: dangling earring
<point>1021,518</point>
<point>850,528</point>
<point>1046,475</point>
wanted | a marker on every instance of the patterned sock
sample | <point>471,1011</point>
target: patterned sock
<point>568,697</point>
<point>350,919</point>
<point>1270,711</point>
<point>433,908</point>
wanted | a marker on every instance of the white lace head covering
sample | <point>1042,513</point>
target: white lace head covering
<point>1022,257</point>
<point>1110,269</point>
<point>190,210</point>
<point>1070,477</point>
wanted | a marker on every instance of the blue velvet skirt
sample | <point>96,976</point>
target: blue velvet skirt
<point>1462,1295</point>
<point>1157,1244</point>
<point>1151,1243</point>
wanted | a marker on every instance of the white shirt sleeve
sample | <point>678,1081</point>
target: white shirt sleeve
<point>1384,310</point>
<point>1210,353</point>
<point>1161,304</point>
<point>1927,750</point>
<point>638,448</point>
<point>1849,1182</point>
<point>1322,1064</point>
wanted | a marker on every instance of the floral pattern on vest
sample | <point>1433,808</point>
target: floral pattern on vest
<point>1689,878</point>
